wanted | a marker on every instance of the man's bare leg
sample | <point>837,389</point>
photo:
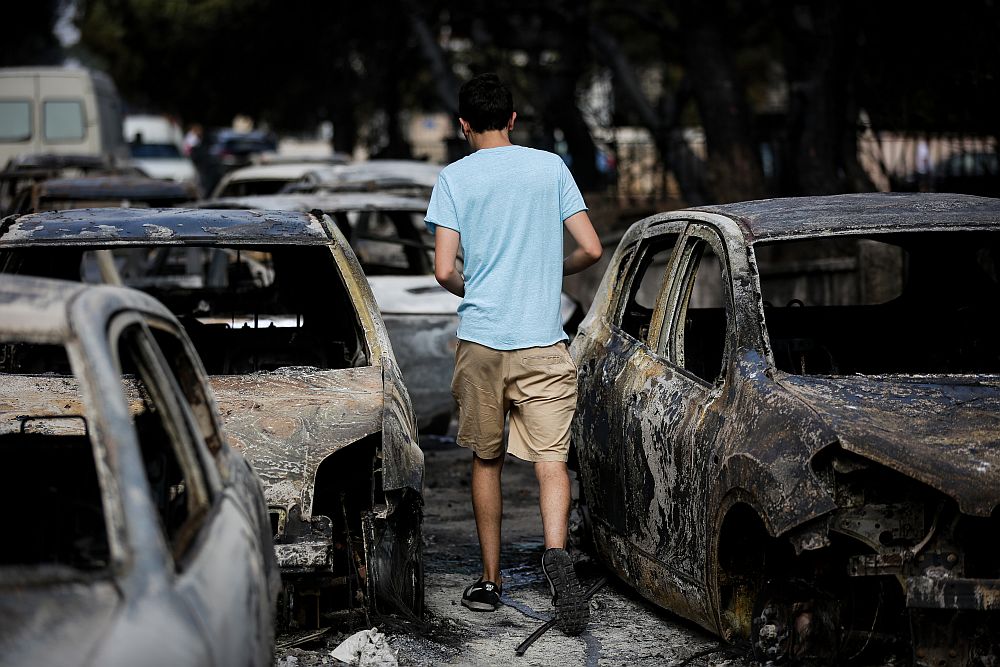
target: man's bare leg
<point>487,503</point>
<point>553,498</point>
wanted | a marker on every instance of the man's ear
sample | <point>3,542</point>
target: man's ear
<point>464,124</point>
<point>510,123</point>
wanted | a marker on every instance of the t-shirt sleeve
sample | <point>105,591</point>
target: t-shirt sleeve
<point>570,199</point>
<point>441,209</point>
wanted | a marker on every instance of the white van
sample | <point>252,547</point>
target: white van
<point>59,110</point>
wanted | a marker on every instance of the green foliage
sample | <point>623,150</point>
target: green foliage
<point>28,38</point>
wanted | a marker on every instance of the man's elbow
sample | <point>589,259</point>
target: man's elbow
<point>594,252</point>
<point>443,275</point>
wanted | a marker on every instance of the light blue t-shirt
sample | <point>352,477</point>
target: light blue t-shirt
<point>508,204</point>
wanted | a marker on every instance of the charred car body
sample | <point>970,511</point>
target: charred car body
<point>789,423</point>
<point>58,194</point>
<point>386,233</point>
<point>396,251</point>
<point>303,371</point>
<point>147,539</point>
<point>24,171</point>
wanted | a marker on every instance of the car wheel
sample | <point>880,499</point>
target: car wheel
<point>394,563</point>
<point>794,623</point>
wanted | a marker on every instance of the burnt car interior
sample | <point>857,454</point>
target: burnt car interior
<point>246,309</point>
<point>920,302</point>
<point>68,493</point>
<point>65,525</point>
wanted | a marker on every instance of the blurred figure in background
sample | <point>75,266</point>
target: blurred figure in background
<point>192,139</point>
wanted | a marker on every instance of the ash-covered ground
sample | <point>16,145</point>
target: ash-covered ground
<point>624,629</point>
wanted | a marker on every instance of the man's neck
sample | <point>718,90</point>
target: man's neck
<point>489,139</point>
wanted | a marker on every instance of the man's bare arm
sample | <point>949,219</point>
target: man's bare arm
<point>588,250</point>
<point>446,242</point>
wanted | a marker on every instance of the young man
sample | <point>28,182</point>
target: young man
<point>506,206</point>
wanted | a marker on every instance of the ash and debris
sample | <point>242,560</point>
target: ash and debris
<point>624,629</point>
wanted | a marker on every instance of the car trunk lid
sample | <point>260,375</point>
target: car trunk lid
<point>287,421</point>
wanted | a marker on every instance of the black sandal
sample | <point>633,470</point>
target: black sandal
<point>482,596</point>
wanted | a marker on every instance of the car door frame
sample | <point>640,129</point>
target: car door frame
<point>196,576</point>
<point>658,449</point>
<point>601,373</point>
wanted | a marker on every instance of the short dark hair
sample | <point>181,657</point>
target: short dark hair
<point>485,103</point>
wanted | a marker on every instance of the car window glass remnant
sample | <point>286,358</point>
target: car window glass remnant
<point>645,285</point>
<point>63,121</point>
<point>176,482</point>
<point>52,493</point>
<point>15,120</point>
<point>916,302</point>
<point>703,330</point>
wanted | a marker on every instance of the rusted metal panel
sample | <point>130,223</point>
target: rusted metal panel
<point>953,593</point>
<point>288,421</point>
<point>403,459</point>
<point>944,432</point>
<point>304,555</point>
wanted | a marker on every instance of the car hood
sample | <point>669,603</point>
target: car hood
<point>53,623</point>
<point>941,430</point>
<point>287,422</point>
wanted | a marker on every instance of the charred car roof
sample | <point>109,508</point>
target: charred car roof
<point>116,187</point>
<point>111,226</point>
<point>803,217</point>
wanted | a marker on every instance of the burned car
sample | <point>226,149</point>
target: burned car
<point>57,194</point>
<point>261,179</point>
<point>302,369</point>
<point>789,424</point>
<point>26,170</point>
<point>136,534</point>
<point>406,177</point>
<point>396,251</point>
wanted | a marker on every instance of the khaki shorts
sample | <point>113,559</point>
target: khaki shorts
<point>535,385</point>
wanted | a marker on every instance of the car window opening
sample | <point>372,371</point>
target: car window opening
<point>705,319</point>
<point>56,513</point>
<point>637,313</point>
<point>246,309</point>
<point>912,303</point>
<point>158,430</point>
<point>391,243</point>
